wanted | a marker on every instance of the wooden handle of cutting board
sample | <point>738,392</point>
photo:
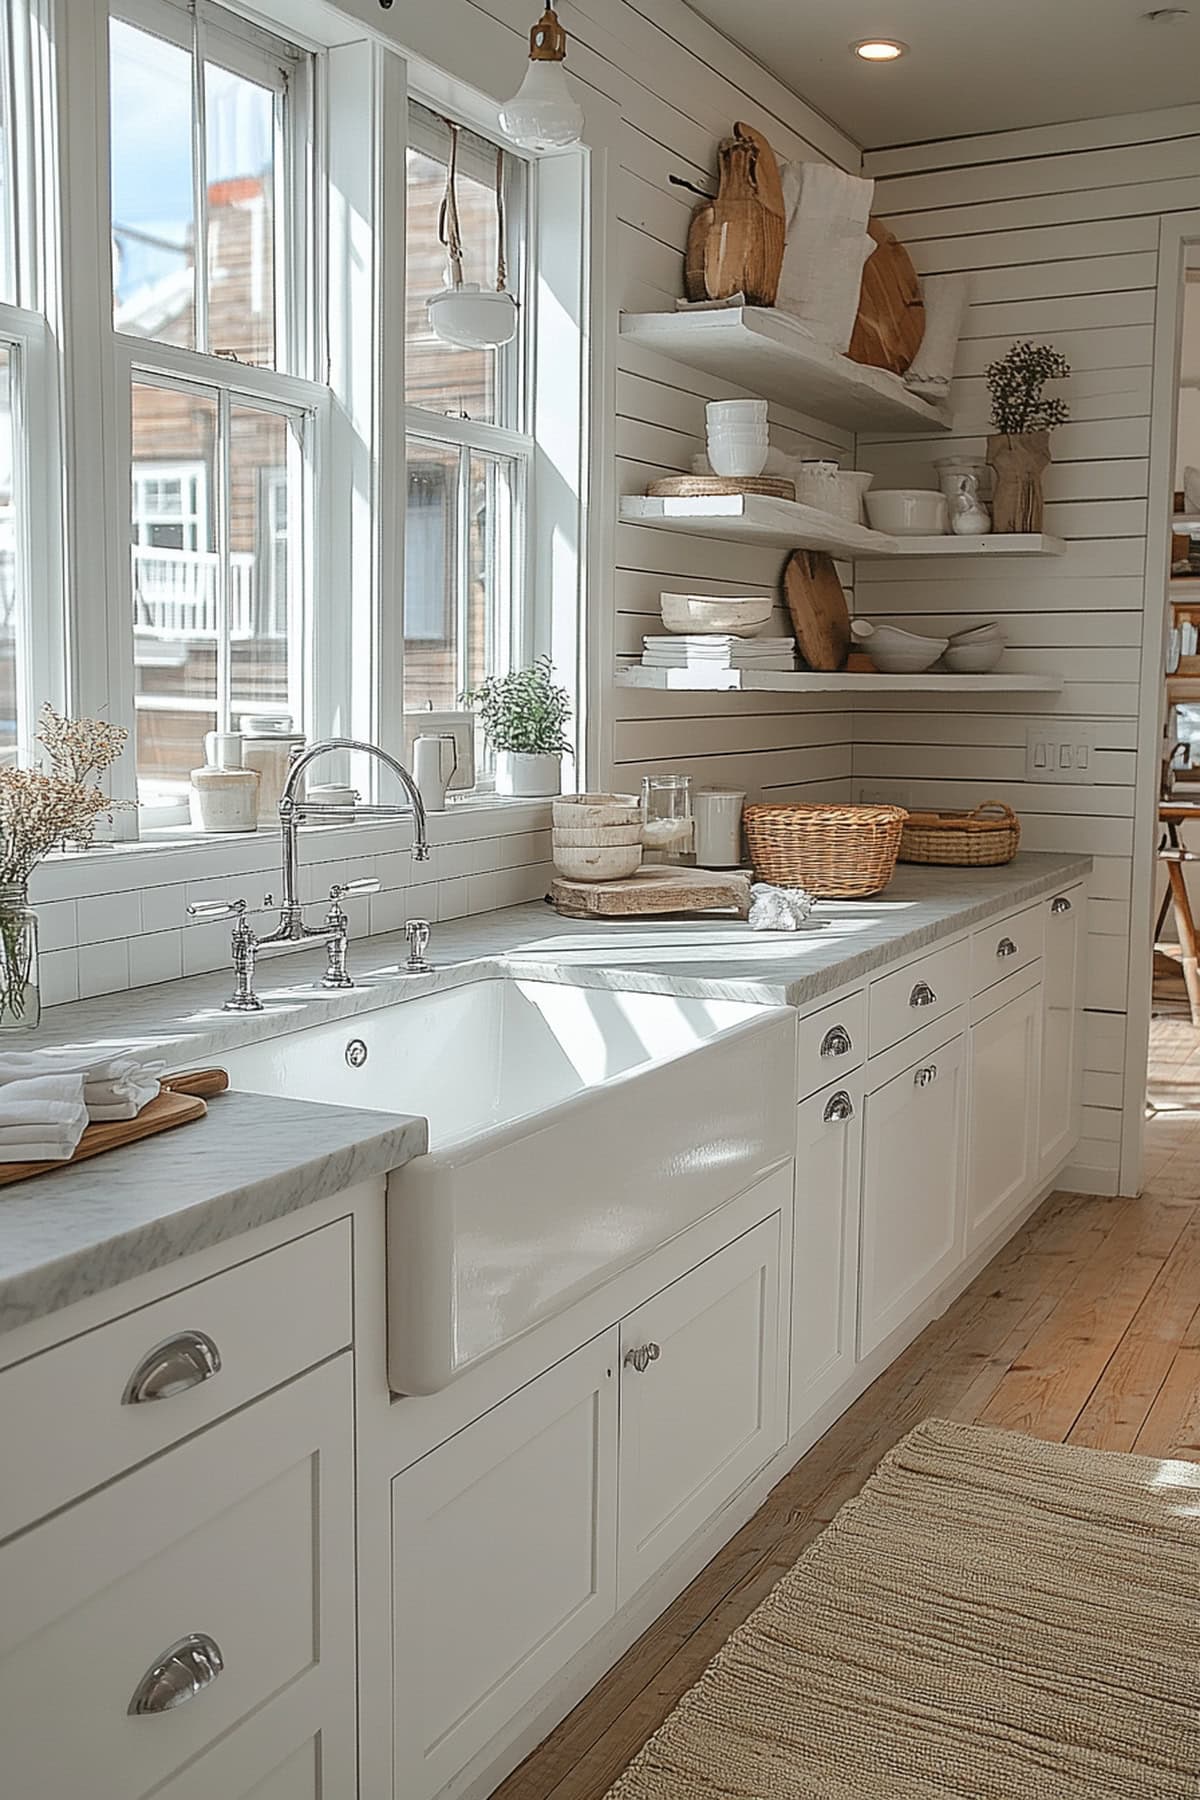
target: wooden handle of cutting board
<point>203,1084</point>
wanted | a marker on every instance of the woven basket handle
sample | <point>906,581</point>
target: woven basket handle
<point>994,809</point>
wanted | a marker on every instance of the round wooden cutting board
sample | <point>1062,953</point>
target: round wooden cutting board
<point>891,312</point>
<point>818,609</point>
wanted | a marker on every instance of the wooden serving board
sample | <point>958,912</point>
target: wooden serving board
<point>703,487</point>
<point>179,1103</point>
<point>654,890</point>
<point>817,605</point>
<point>891,313</point>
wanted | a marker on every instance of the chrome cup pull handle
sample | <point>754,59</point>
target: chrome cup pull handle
<point>925,1077</point>
<point>641,1358</point>
<point>1006,947</point>
<point>922,995</point>
<point>1060,904</point>
<point>836,1042</point>
<point>181,1673</point>
<point>839,1109</point>
<point>172,1367</point>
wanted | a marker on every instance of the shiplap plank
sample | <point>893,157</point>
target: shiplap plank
<point>980,248</point>
<point>1080,173</point>
<point>1181,194</point>
<point>1042,140</point>
<point>1070,312</point>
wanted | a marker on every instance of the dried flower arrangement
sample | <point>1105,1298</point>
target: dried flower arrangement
<point>1015,383</point>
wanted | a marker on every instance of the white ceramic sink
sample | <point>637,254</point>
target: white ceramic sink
<point>572,1131</point>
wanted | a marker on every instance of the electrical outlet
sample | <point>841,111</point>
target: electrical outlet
<point>1060,751</point>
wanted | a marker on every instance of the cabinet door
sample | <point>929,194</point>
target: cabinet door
<point>162,1622</point>
<point>825,1246</point>
<point>700,1399</point>
<point>503,1563</point>
<point>913,1166</point>
<point>1002,1164</point>
<point>1062,1034</point>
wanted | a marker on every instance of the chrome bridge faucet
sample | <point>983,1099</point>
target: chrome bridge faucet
<point>291,933</point>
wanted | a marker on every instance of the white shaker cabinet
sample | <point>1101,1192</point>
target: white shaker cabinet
<point>825,1245</point>
<point>1003,1160</point>
<point>701,1399</point>
<point>1062,1050</point>
<point>913,1154</point>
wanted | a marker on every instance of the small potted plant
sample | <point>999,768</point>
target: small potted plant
<point>1019,447</point>
<point>523,715</point>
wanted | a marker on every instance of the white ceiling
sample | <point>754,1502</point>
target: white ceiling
<point>973,65</point>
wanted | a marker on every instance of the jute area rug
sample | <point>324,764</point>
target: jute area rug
<point>993,1618</point>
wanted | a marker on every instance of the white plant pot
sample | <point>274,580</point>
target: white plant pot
<point>519,776</point>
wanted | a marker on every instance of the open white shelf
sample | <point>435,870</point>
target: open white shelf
<point>807,681</point>
<point>759,519</point>
<point>771,354</point>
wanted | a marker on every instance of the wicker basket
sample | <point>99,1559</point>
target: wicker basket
<point>836,852</point>
<point>975,840</point>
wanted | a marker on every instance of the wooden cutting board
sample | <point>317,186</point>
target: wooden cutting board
<point>179,1104</point>
<point>891,313</point>
<point>654,890</point>
<point>818,609</point>
<point>743,242</point>
<point>703,487</point>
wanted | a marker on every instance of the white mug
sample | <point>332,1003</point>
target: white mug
<point>435,759</point>
<point>718,815</point>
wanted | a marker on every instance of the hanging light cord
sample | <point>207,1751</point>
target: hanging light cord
<point>449,230</point>
<point>501,258</point>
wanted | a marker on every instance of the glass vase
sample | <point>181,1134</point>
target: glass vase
<point>20,998</point>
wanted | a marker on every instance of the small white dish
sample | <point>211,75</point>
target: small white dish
<point>979,658</point>
<point>897,652</point>
<point>685,614</point>
<point>603,863</point>
<point>908,512</point>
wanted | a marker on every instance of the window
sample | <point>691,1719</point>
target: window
<point>468,440</point>
<point>212,294</point>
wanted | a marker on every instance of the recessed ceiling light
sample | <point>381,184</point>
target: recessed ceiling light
<point>879,49</point>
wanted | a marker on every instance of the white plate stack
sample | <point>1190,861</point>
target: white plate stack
<point>597,837</point>
<point>717,651</point>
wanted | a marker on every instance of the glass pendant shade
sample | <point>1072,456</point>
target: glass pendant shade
<point>544,114</point>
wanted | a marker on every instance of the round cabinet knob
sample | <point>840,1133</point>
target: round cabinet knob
<point>839,1109</point>
<point>641,1358</point>
<point>181,1673</point>
<point>1060,904</point>
<point>1006,947</point>
<point>836,1042</point>
<point>172,1367</point>
<point>922,995</point>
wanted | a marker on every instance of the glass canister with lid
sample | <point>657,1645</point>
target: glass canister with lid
<point>668,822</point>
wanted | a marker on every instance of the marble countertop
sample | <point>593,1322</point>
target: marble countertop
<point>66,1235</point>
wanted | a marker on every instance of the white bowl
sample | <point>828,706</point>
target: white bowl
<point>472,317</point>
<point>737,460</point>
<point>608,863</point>
<point>980,634</point>
<point>907,512</point>
<point>974,659</point>
<point>578,812</point>
<point>727,411</point>
<point>595,837</point>
<point>694,613</point>
<point>897,652</point>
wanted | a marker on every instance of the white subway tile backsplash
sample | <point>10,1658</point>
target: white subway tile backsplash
<point>103,969</point>
<point>206,947</point>
<point>158,957</point>
<point>387,911</point>
<point>57,928</point>
<point>102,918</point>
<point>453,898</point>
<point>59,976</point>
<point>163,907</point>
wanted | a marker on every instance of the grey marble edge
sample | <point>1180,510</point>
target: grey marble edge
<point>67,1236</point>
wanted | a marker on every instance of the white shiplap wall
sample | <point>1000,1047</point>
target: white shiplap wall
<point>1060,228</point>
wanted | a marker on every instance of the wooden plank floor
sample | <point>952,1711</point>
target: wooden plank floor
<point>1084,1329</point>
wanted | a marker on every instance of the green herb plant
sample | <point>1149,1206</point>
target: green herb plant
<point>523,712</point>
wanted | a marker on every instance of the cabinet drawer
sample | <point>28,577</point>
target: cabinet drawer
<point>69,1419</point>
<point>999,950</point>
<point>832,1042</point>
<point>226,1565</point>
<point>918,995</point>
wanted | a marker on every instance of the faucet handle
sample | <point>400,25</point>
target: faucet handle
<point>418,932</point>
<point>368,884</point>
<point>217,909</point>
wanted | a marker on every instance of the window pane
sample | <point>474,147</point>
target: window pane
<point>10,599</point>
<point>457,609</point>
<point>263,568</point>
<point>8,273</point>
<point>441,377</point>
<point>153,215</point>
<point>240,132</point>
<point>176,593</point>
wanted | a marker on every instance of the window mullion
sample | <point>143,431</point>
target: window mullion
<point>200,183</point>
<point>462,581</point>
<point>224,511</point>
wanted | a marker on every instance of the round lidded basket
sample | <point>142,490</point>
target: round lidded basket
<point>981,839</point>
<point>836,852</point>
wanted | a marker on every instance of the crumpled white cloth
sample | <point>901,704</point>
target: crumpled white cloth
<point>779,909</point>
<point>114,1086</point>
<point>42,1119</point>
<point>946,300</point>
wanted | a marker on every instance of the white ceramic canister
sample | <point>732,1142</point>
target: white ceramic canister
<point>816,483</point>
<point>224,799</point>
<point>718,816</point>
<point>338,796</point>
<point>268,744</point>
<point>435,759</point>
<point>223,749</point>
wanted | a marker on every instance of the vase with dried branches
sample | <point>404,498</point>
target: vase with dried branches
<point>1019,446</point>
<point>41,811</point>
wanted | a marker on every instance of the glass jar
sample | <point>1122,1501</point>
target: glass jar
<point>668,825</point>
<point>20,999</point>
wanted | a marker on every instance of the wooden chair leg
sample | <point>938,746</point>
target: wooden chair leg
<point>1177,876</point>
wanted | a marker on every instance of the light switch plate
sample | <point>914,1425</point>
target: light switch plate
<point>1060,750</point>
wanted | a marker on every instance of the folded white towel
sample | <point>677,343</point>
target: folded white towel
<point>113,1100</point>
<point>61,1151</point>
<point>43,1119</point>
<point>115,1086</point>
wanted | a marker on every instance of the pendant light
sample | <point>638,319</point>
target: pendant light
<point>463,313</point>
<point>544,114</point>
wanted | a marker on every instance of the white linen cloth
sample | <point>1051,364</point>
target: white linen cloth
<point>114,1086</point>
<point>946,298</point>
<point>777,908</point>
<point>42,1119</point>
<point>827,246</point>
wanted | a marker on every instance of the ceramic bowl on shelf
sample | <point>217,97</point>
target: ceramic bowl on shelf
<point>908,512</point>
<point>978,658</point>
<point>979,634</point>
<point>596,837</point>
<point>897,652</point>
<point>582,812</point>
<point>697,613</point>
<point>601,862</point>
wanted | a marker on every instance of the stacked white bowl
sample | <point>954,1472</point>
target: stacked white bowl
<point>597,837</point>
<point>738,438</point>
